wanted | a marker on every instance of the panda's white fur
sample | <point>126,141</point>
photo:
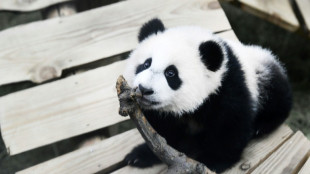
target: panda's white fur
<point>166,50</point>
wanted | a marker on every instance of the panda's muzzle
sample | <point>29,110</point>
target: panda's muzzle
<point>145,91</point>
<point>144,97</point>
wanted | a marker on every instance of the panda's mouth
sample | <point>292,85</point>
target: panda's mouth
<point>146,102</point>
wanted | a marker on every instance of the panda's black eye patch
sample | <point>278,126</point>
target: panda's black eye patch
<point>172,77</point>
<point>147,63</point>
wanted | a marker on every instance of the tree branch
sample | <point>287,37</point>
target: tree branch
<point>178,163</point>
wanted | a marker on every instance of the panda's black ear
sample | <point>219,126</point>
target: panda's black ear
<point>211,55</point>
<point>151,27</point>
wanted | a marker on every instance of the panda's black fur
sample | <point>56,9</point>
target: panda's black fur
<point>219,130</point>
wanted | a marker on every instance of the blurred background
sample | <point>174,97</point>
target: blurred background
<point>251,25</point>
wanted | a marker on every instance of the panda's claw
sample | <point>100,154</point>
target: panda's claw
<point>135,161</point>
<point>141,157</point>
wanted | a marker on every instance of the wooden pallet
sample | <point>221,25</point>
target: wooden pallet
<point>293,15</point>
<point>70,106</point>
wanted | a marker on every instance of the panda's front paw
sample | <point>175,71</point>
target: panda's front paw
<point>137,160</point>
<point>141,157</point>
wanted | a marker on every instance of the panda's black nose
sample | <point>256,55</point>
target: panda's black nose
<point>145,91</point>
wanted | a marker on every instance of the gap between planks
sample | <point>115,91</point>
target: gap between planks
<point>62,10</point>
<point>62,43</point>
<point>27,5</point>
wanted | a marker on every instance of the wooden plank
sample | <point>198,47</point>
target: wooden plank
<point>91,159</point>
<point>306,168</point>
<point>254,154</point>
<point>277,11</point>
<point>288,158</point>
<point>62,43</point>
<point>59,110</point>
<point>27,5</point>
<point>258,150</point>
<point>69,107</point>
<point>304,6</point>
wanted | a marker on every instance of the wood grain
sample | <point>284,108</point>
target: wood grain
<point>305,168</point>
<point>90,159</point>
<point>55,111</point>
<point>288,158</point>
<point>277,11</point>
<point>27,5</point>
<point>304,6</point>
<point>40,51</point>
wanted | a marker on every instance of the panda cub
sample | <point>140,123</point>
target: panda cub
<point>208,97</point>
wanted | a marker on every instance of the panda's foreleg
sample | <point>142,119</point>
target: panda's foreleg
<point>141,156</point>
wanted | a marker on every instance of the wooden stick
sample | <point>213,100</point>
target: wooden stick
<point>177,162</point>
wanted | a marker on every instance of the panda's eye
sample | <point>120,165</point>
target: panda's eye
<point>147,63</point>
<point>170,73</point>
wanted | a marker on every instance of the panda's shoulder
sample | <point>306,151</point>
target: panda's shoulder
<point>250,52</point>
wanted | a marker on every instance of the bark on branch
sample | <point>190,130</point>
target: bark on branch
<point>178,163</point>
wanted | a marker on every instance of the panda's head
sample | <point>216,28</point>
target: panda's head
<point>175,69</point>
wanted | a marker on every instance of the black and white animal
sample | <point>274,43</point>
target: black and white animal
<point>208,97</point>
